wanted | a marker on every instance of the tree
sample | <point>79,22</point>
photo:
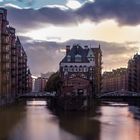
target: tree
<point>54,83</point>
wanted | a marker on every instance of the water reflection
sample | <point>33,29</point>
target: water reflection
<point>81,124</point>
<point>39,124</point>
<point>9,117</point>
<point>135,111</point>
<point>34,121</point>
<point>117,123</point>
<point>36,103</point>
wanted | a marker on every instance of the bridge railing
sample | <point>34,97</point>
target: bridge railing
<point>121,93</point>
<point>38,94</point>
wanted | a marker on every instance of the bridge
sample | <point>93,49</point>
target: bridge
<point>38,95</point>
<point>122,94</point>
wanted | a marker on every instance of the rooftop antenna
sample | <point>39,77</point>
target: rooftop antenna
<point>99,46</point>
<point>90,46</point>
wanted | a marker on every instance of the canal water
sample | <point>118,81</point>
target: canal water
<point>33,120</point>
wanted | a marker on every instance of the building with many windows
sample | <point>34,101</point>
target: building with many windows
<point>80,70</point>
<point>134,73</point>
<point>115,80</point>
<point>40,84</point>
<point>13,62</point>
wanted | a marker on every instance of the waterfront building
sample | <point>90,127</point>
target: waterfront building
<point>29,81</point>
<point>13,62</point>
<point>134,73</point>
<point>80,70</point>
<point>40,84</point>
<point>115,80</point>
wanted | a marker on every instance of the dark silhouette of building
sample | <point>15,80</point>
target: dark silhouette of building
<point>29,81</point>
<point>80,70</point>
<point>134,73</point>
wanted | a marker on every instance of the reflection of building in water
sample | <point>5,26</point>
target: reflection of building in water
<point>81,124</point>
<point>80,70</point>
<point>135,110</point>
<point>9,118</point>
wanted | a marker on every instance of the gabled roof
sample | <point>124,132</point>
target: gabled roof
<point>78,50</point>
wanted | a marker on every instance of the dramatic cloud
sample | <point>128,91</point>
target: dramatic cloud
<point>25,19</point>
<point>45,56</point>
<point>109,14</point>
<point>125,12</point>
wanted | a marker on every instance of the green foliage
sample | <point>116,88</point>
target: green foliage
<point>54,82</point>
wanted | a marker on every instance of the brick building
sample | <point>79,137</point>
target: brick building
<point>29,81</point>
<point>13,62</point>
<point>115,80</point>
<point>134,73</point>
<point>40,84</point>
<point>80,70</point>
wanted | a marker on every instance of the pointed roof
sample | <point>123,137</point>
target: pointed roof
<point>18,41</point>
<point>77,50</point>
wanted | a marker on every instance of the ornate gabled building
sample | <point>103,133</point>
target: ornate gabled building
<point>80,70</point>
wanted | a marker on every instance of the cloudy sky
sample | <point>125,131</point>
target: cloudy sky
<point>46,26</point>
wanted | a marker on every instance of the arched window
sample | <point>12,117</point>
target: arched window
<point>72,76</point>
<point>71,68</point>
<point>80,68</point>
<point>85,68</point>
<point>65,68</point>
<point>91,68</point>
<point>83,76</point>
<point>75,69</point>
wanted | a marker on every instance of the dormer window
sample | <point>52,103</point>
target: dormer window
<point>90,53</point>
<point>68,58</point>
<point>78,58</point>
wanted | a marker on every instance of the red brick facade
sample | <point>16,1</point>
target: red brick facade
<point>115,80</point>
<point>77,86</point>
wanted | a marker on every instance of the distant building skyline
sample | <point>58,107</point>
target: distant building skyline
<point>115,80</point>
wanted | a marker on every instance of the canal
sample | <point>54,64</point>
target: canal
<point>32,120</point>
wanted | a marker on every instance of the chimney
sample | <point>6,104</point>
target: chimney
<point>86,47</point>
<point>67,49</point>
<point>99,46</point>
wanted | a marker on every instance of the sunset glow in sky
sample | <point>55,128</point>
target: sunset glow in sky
<point>48,25</point>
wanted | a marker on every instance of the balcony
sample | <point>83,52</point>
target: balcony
<point>14,54</point>
<point>5,42</point>
<point>5,33</point>
<point>5,51</point>
<point>5,60</point>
